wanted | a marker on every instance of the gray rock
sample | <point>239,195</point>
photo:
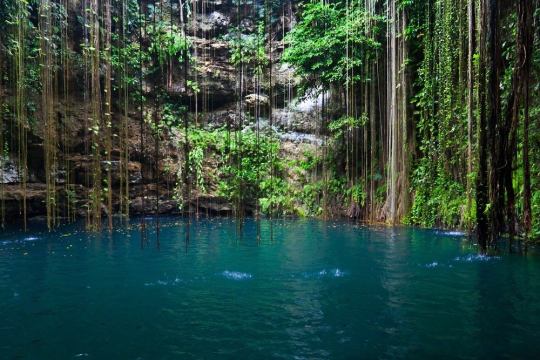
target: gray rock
<point>9,174</point>
<point>216,22</point>
<point>302,115</point>
<point>298,138</point>
<point>252,100</point>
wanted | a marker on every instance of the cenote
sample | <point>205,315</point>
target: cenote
<point>306,290</point>
<point>189,115</point>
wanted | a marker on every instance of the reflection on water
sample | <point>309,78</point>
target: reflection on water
<point>303,290</point>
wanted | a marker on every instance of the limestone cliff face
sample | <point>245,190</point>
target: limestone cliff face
<point>215,105</point>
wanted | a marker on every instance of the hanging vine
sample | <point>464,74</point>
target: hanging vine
<point>20,103</point>
<point>96,117</point>
<point>47,108</point>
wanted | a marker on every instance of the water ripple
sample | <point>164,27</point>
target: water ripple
<point>236,275</point>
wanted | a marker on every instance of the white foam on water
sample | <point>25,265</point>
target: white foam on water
<point>236,275</point>
<point>332,273</point>
<point>450,233</point>
<point>31,238</point>
<point>455,233</point>
<point>176,281</point>
<point>476,258</point>
<point>468,258</point>
<point>81,355</point>
<point>337,273</point>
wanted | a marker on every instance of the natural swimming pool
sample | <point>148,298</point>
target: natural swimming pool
<point>307,290</point>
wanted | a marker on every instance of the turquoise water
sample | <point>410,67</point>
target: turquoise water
<point>312,290</point>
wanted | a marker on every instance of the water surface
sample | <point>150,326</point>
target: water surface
<point>306,290</point>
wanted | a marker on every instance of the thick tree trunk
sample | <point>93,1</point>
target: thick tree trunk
<point>520,88</point>
<point>399,137</point>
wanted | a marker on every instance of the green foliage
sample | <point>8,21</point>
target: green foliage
<point>310,162</point>
<point>440,100</point>
<point>167,41</point>
<point>311,197</point>
<point>440,174</point>
<point>337,192</point>
<point>380,193</point>
<point>439,200</point>
<point>196,158</point>
<point>171,115</point>
<point>357,194</point>
<point>278,197</point>
<point>333,46</point>
<point>193,86</point>
<point>318,45</point>
<point>15,16</point>
<point>125,61</point>
<point>535,207</point>
<point>248,49</point>
<point>244,168</point>
<point>247,163</point>
<point>338,127</point>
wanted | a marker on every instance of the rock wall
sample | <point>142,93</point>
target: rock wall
<point>293,121</point>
